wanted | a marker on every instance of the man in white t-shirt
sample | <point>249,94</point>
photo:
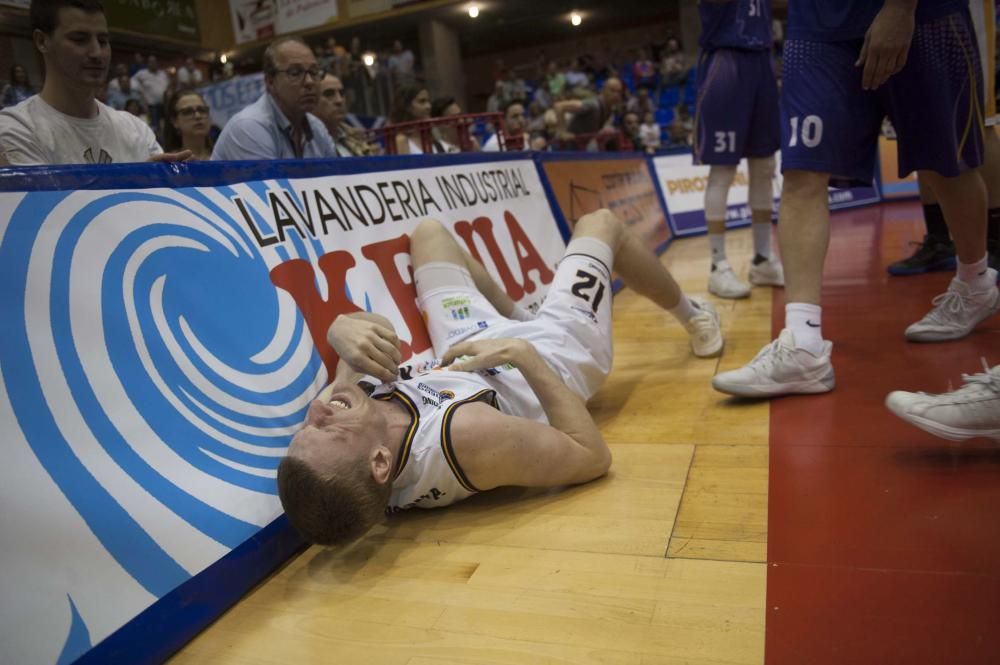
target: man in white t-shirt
<point>65,123</point>
<point>152,83</point>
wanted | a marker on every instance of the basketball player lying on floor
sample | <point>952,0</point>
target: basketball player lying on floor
<point>506,403</point>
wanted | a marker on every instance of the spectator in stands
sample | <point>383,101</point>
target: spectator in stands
<point>188,75</point>
<point>152,83</point>
<point>189,124</point>
<point>682,126</point>
<point>575,77</point>
<point>121,93</point>
<point>446,137</point>
<point>350,141</point>
<point>514,124</point>
<point>65,123</point>
<point>409,104</point>
<point>496,102</point>
<point>280,124</point>
<point>593,116</point>
<point>649,133</point>
<point>18,89</point>
<point>138,64</point>
<point>400,65</point>
<point>644,71</point>
<point>555,81</point>
<point>641,103</point>
<point>674,67</point>
<point>630,131</point>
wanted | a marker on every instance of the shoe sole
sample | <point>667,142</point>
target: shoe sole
<point>814,387</point>
<point>727,296</point>
<point>765,282</point>
<point>712,354</point>
<point>934,267</point>
<point>931,336</point>
<point>945,431</point>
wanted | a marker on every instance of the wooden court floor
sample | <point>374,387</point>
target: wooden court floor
<point>663,561</point>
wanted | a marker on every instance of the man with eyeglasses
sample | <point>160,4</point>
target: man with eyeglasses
<point>66,123</point>
<point>332,110</point>
<point>280,125</point>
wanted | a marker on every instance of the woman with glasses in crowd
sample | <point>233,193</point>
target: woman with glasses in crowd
<point>188,125</point>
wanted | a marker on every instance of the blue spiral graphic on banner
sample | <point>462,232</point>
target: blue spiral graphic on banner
<point>140,336</point>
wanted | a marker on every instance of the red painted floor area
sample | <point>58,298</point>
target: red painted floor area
<point>883,541</point>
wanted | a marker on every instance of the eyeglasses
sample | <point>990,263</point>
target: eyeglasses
<point>295,74</point>
<point>192,110</point>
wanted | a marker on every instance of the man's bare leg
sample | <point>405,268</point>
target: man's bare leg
<point>799,361</point>
<point>972,296</point>
<point>431,241</point>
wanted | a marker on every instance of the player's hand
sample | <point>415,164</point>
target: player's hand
<point>366,346</point>
<point>887,44</point>
<point>179,156</point>
<point>484,354</point>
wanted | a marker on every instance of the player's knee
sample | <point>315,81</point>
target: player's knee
<point>427,230</point>
<point>720,178</point>
<point>761,192</point>
<point>804,184</point>
<point>601,224</point>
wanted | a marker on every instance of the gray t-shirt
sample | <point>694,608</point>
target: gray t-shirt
<point>33,133</point>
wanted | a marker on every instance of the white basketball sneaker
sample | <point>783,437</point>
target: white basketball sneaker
<point>705,329</point>
<point>956,312</point>
<point>780,369</point>
<point>972,410</point>
<point>724,283</point>
<point>767,273</point>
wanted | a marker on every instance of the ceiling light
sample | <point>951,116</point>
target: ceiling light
<point>473,11</point>
<point>368,59</point>
<point>575,18</point>
<point>223,58</point>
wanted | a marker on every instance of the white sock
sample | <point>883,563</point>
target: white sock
<point>684,310</point>
<point>762,239</point>
<point>717,241</point>
<point>976,275</point>
<point>805,321</point>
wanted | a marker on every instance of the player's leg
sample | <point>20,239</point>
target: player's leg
<point>830,126</point>
<point>722,123</point>
<point>643,272</point>
<point>763,142</point>
<point>941,137</point>
<point>431,242</point>
<point>936,251</point>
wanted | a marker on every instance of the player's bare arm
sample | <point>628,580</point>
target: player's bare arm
<point>366,344</point>
<point>520,451</point>
<point>887,42</point>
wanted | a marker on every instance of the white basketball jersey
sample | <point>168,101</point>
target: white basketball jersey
<point>427,473</point>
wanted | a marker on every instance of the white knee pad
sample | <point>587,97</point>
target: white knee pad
<point>717,191</point>
<point>761,196</point>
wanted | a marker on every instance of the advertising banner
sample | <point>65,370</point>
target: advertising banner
<point>252,19</point>
<point>683,186</point>
<point>164,330</point>
<point>624,186</point>
<point>176,19</point>
<point>227,98</point>
<point>292,15</point>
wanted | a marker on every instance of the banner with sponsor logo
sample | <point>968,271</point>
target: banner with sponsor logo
<point>164,329</point>
<point>165,18</point>
<point>683,186</point>
<point>252,19</point>
<point>623,185</point>
<point>227,98</point>
<point>292,15</point>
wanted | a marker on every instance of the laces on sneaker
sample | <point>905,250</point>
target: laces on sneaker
<point>946,307</point>
<point>988,378</point>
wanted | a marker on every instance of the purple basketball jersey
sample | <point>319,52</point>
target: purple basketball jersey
<point>740,24</point>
